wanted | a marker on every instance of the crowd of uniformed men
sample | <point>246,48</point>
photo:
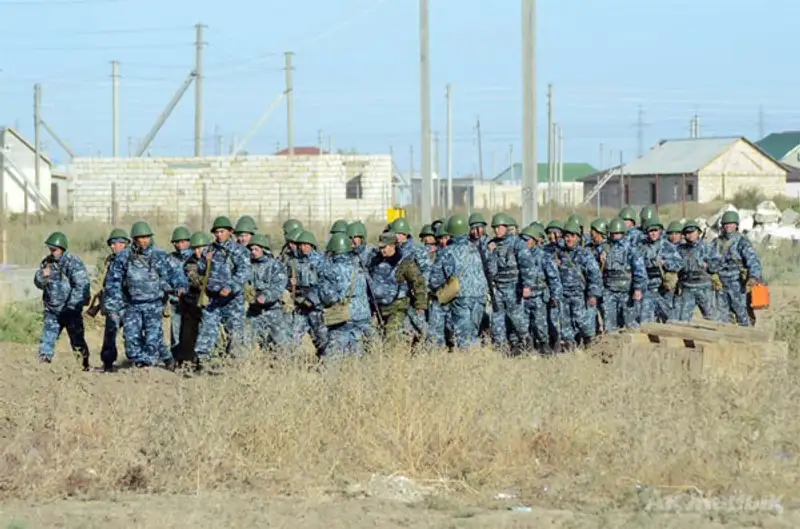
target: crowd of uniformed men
<point>537,288</point>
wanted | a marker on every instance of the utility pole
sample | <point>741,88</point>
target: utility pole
<point>602,165</point>
<point>289,103</point>
<point>623,200</point>
<point>319,140</point>
<point>410,163</point>
<point>425,104</point>
<point>511,162</point>
<point>198,90</point>
<point>761,124</point>
<point>449,97</point>
<point>694,126</point>
<point>37,140</point>
<point>530,179</point>
<point>640,124</point>
<point>560,164</point>
<point>480,149</point>
<point>438,189</point>
<point>115,108</point>
<point>550,148</point>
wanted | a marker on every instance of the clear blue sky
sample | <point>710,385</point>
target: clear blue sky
<point>357,72</point>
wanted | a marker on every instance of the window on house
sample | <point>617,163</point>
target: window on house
<point>353,189</point>
<point>653,193</point>
<point>690,191</point>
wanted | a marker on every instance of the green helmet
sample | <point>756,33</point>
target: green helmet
<point>181,233</point>
<point>690,225</point>
<point>512,221</point>
<point>617,225</point>
<point>340,226</point>
<point>652,222</point>
<point>427,230</point>
<point>441,231</point>
<point>401,226</point>
<point>339,244</point>
<point>577,218</point>
<point>457,225</point>
<point>675,227</point>
<point>58,240</point>
<point>141,229</point>
<point>246,224</point>
<point>118,233</point>
<point>259,239</point>
<point>438,222</point>
<point>538,225</point>
<point>534,231</point>
<point>648,212</point>
<point>627,213</point>
<point>357,229</point>
<point>306,237</point>
<point>223,223</point>
<point>291,225</point>
<point>573,227</point>
<point>555,225</point>
<point>476,219</point>
<point>199,239</point>
<point>502,219</point>
<point>293,235</point>
<point>729,217</point>
<point>600,226</point>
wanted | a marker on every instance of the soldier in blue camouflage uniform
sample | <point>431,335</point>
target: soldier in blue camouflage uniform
<point>460,260</point>
<point>585,237</point>
<point>555,236</point>
<point>357,232</point>
<point>338,226</point>
<point>582,285</point>
<point>427,236</point>
<point>343,282</point>
<point>699,261</point>
<point>739,273</point>
<point>675,233</point>
<point>137,283</point>
<point>478,237</point>
<point>226,264</point>
<point>304,271</point>
<point>662,262</point>
<point>117,240</point>
<point>440,330</point>
<point>546,289</point>
<point>624,278</point>
<point>599,242</point>
<point>176,259</point>
<point>192,303</point>
<point>291,227</point>
<point>245,229</point>
<point>407,246</point>
<point>510,268</point>
<point>634,235</point>
<point>267,324</point>
<point>65,287</point>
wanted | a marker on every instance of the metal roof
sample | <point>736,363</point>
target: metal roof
<point>779,144</point>
<point>573,172</point>
<point>683,156</point>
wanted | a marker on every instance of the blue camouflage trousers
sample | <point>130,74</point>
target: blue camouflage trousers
<point>732,302</point>
<point>537,313</point>
<point>508,308</point>
<point>577,319</point>
<point>143,332</point>
<point>109,352</point>
<point>53,324</point>
<point>466,314</point>
<point>266,327</point>
<point>227,314</point>
<point>346,339</point>
<point>439,324</point>
<point>619,310</point>
<point>656,306</point>
<point>695,296</point>
<point>310,322</point>
<point>175,323</point>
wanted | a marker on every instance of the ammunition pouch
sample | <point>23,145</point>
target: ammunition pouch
<point>336,314</point>
<point>249,293</point>
<point>670,281</point>
<point>449,291</point>
<point>716,283</point>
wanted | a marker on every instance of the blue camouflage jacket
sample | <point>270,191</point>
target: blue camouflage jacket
<point>546,278</point>
<point>580,272</point>
<point>230,268</point>
<point>698,261</point>
<point>68,288</point>
<point>622,267</point>
<point>461,259</point>
<point>411,248</point>
<point>140,276</point>
<point>269,279</point>
<point>306,269</point>
<point>659,256</point>
<point>177,260</point>
<point>510,265</point>
<point>635,236</point>
<point>344,280</point>
<point>738,256</point>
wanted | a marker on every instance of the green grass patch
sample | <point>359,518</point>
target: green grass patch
<point>21,322</point>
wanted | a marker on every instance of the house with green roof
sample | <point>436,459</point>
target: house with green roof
<point>569,192</point>
<point>782,146</point>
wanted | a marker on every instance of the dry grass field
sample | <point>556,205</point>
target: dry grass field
<point>439,440</point>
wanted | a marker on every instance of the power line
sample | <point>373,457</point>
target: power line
<point>117,31</point>
<point>101,48</point>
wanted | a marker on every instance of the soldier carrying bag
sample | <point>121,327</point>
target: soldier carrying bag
<point>339,313</point>
<point>451,289</point>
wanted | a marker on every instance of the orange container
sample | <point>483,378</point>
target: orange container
<point>759,297</point>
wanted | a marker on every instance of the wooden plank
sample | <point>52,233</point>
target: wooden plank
<point>755,334</point>
<point>696,334</point>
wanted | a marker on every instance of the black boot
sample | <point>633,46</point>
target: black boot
<point>108,367</point>
<point>170,365</point>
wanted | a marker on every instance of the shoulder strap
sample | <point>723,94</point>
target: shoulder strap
<point>352,283</point>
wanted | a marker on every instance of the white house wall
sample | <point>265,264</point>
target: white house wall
<point>310,188</point>
<point>19,155</point>
<point>740,167</point>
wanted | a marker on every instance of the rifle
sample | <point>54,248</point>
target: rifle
<point>96,303</point>
<point>202,299</point>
